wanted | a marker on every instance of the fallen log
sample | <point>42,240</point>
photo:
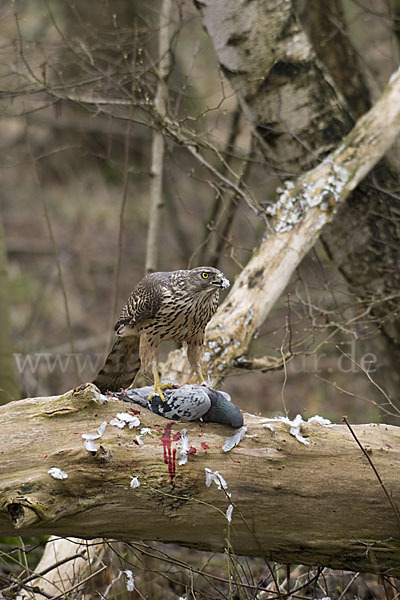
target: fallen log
<point>311,499</point>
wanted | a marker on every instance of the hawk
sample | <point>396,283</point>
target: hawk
<point>175,305</point>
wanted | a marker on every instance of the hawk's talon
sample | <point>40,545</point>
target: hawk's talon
<point>202,379</point>
<point>159,387</point>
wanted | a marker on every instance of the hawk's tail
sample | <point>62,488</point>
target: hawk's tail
<point>121,365</point>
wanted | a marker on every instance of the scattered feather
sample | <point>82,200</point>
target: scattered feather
<point>135,483</point>
<point>216,477</point>
<point>296,424</point>
<point>320,421</point>
<point>102,428</point>
<point>228,513</point>
<point>269,426</point>
<point>90,446</point>
<point>95,436</point>
<point>235,439</point>
<point>130,582</point>
<point>132,420</point>
<point>294,430</point>
<point>57,473</point>
<point>185,447</point>
<point>91,436</point>
<point>145,431</point>
<point>117,423</point>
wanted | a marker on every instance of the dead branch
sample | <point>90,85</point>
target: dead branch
<point>157,151</point>
<point>315,503</point>
<point>303,209</point>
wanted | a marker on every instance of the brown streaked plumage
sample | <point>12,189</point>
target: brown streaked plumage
<point>174,305</point>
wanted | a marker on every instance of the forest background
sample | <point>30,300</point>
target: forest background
<point>124,142</point>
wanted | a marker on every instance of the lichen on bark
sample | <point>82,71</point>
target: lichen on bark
<point>298,100</point>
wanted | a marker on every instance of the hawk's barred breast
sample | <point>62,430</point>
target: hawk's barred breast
<point>174,305</point>
<point>171,305</point>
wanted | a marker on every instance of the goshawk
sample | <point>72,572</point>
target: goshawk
<point>174,305</point>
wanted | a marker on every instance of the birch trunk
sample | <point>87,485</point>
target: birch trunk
<point>295,503</point>
<point>299,216</point>
<point>300,97</point>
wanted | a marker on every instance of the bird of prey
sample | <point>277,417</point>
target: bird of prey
<point>175,305</point>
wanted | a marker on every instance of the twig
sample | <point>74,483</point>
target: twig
<point>230,144</point>
<point>287,332</point>
<point>121,227</point>
<point>229,213</point>
<point>39,574</point>
<point>348,586</point>
<point>55,249</point>
<point>353,395</point>
<point>183,565</point>
<point>33,589</point>
<point>158,145</point>
<point>261,363</point>
<point>80,583</point>
<point>385,395</point>
<point>392,504</point>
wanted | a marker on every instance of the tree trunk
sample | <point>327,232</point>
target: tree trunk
<point>363,240</point>
<point>295,503</point>
<point>287,79</point>
<point>286,94</point>
<point>8,384</point>
<point>299,216</point>
<point>66,565</point>
<point>325,25</point>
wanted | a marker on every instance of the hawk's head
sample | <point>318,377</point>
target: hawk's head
<point>206,279</point>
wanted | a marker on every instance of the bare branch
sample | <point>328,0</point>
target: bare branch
<point>298,217</point>
<point>157,150</point>
<point>117,268</point>
<point>54,247</point>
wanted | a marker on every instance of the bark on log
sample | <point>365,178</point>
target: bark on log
<point>314,504</point>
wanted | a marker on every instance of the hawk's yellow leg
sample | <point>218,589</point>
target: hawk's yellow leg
<point>159,386</point>
<point>201,377</point>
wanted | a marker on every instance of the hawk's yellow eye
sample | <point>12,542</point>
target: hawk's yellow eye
<point>204,275</point>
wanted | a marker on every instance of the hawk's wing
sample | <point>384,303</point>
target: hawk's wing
<point>144,302</point>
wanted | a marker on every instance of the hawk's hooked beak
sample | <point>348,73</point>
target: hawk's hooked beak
<point>222,282</point>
